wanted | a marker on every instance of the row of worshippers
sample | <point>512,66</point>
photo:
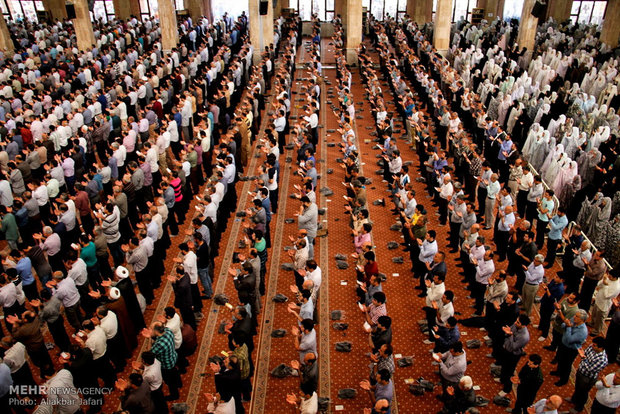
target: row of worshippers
<point>131,210</point>
<point>482,267</point>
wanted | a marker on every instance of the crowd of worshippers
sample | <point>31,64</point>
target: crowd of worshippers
<point>500,214</point>
<point>102,152</point>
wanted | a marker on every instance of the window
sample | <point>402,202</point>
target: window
<point>588,12</point>
<point>402,9</point>
<point>233,8</point>
<point>324,9</point>
<point>512,10</point>
<point>22,9</point>
<point>103,10</point>
<point>148,8</point>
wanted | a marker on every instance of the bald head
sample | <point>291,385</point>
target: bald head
<point>554,402</point>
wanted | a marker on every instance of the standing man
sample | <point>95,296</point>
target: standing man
<point>517,337</point>
<point>593,361</point>
<point>575,335</point>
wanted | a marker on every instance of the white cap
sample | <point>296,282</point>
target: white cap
<point>115,293</point>
<point>122,272</point>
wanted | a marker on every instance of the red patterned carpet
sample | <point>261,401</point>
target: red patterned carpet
<point>337,370</point>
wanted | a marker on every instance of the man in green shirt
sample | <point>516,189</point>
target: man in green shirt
<point>88,253</point>
<point>8,226</point>
<point>567,307</point>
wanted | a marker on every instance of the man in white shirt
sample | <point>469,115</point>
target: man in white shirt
<point>190,264</point>
<point>150,368</point>
<point>108,321</point>
<point>94,337</point>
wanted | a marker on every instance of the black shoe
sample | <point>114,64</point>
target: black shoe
<point>422,295</point>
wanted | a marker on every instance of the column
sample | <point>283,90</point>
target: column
<point>56,9</point>
<point>6,43</point>
<point>353,18</point>
<point>195,8</point>
<point>527,28</point>
<point>611,24</point>
<point>339,7</point>
<point>168,23</point>
<point>123,9</point>
<point>283,4</point>
<point>443,21</point>
<point>491,9</point>
<point>261,27</point>
<point>420,11</point>
<point>82,25</point>
<point>559,10</point>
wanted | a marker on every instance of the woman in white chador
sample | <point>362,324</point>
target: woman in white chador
<point>559,162</point>
<point>567,183</point>
<point>610,91</point>
<point>503,109</point>
<point>601,135</point>
<point>512,118</point>
<point>494,106</point>
<point>588,104</point>
<point>541,149</point>
<point>554,125</point>
<point>534,135</point>
<point>553,154</point>
<point>598,85</point>
<point>588,80</point>
<point>543,110</point>
<point>573,141</point>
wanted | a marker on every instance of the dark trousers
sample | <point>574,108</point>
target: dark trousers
<point>443,210</point>
<point>509,362</point>
<point>599,408</point>
<point>501,241</point>
<point>586,293</point>
<point>565,357</point>
<point>612,340</point>
<point>521,203</point>
<point>552,248</point>
<point>531,211</point>
<point>102,368</point>
<point>525,398</point>
<point>541,227</point>
<point>478,293</point>
<point>197,302</point>
<point>545,320</point>
<point>57,329</point>
<point>583,385</point>
<point>454,235</point>
<point>144,284</point>
<point>173,380</point>
<point>161,407</point>
<point>41,358</point>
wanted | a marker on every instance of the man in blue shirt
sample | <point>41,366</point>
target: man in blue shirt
<point>545,208</point>
<point>557,224</point>
<point>574,336</point>
<point>24,270</point>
